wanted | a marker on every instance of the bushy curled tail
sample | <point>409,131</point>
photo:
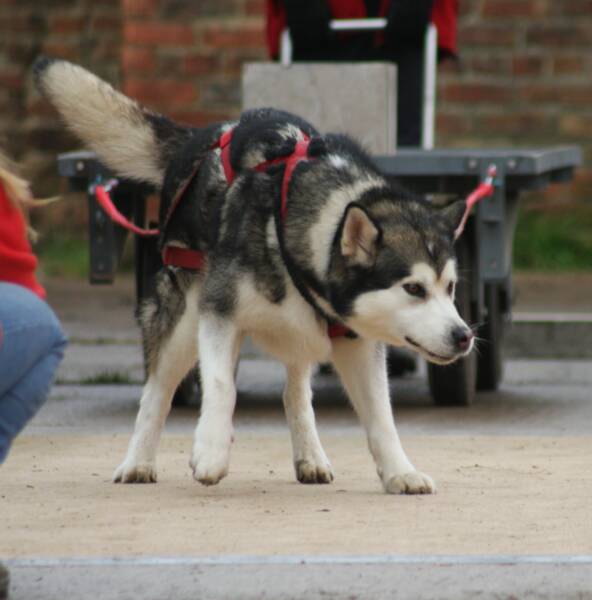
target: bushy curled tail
<point>131,140</point>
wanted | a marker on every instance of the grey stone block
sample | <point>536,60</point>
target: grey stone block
<point>358,99</point>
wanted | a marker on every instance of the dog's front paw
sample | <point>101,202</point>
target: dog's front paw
<point>209,464</point>
<point>135,473</point>
<point>413,482</point>
<point>310,472</point>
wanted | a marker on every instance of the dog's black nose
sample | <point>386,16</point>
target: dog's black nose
<point>461,338</point>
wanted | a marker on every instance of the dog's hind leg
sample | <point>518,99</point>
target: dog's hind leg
<point>219,342</point>
<point>361,365</point>
<point>310,461</point>
<point>168,363</point>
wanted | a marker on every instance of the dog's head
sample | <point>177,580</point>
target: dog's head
<point>393,274</point>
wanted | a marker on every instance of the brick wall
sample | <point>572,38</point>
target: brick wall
<point>525,75</point>
<point>184,58</point>
<point>85,31</point>
<point>524,79</point>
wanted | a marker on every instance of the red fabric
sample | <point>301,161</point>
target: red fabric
<point>17,261</point>
<point>275,23</point>
<point>444,14</point>
<point>183,257</point>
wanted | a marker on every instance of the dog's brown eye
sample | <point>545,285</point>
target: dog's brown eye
<point>450,289</point>
<point>415,289</point>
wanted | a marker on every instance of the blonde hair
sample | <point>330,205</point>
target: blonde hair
<point>16,188</point>
<point>19,193</point>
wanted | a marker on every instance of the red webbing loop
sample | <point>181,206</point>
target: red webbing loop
<point>483,190</point>
<point>104,199</point>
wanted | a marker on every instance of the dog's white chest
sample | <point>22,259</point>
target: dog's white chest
<point>290,331</point>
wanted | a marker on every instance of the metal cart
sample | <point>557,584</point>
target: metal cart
<point>484,250</point>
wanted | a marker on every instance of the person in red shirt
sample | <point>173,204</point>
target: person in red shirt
<point>31,339</point>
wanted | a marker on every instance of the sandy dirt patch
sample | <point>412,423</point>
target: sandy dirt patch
<point>495,495</point>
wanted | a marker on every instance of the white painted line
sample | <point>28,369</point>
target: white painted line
<point>552,317</point>
<point>241,560</point>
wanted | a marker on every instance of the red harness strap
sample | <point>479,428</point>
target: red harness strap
<point>104,200</point>
<point>300,153</point>
<point>183,257</point>
<point>224,144</point>
<point>483,190</point>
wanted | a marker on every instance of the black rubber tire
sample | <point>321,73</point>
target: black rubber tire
<point>455,384</point>
<point>189,392</point>
<point>489,359</point>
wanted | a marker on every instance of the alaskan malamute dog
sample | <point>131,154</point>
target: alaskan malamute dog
<point>287,259</point>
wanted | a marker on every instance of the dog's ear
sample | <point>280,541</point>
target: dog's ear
<point>453,216</point>
<point>359,236</point>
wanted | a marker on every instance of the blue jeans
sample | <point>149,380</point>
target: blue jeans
<point>31,347</point>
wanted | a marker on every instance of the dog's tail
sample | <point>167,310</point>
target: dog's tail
<point>131,140</point>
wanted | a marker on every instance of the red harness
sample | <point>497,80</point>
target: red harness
<point>189,258</point>
<point>195,259</point>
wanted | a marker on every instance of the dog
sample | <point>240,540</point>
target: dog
<point>287,258</point>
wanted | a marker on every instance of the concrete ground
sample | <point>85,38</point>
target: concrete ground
<point>511,518</point>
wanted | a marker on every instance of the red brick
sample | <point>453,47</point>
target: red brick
<point>527,65</point>
<point>167,94</point>
<point>577,8</point>
<point>63,25</point>
<point>22,24</point>
<point>485,35</point>
<point>489,65</point>
<point>198,118</point>
<point>255,7</point>
<point>164,34</point>
<point>514,8</point>
<point>234,38</point>
<point>449,66</point>
<point>569,65</point>
<point>553,36</point>
<point>136,59</point>
<point>67,51</point>
<point>199,64</point>
<point>579,95</point>
<point>12,80</point>
<point>468,8</point>
<point>452,124</point>
<point>476,93</point>
<point>138,8</point>
<point>104,24</point>
<point>516,124</point>
<point>579,126</point>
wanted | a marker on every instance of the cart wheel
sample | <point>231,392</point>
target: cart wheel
<point>489,361</point>
<point>454,385</point>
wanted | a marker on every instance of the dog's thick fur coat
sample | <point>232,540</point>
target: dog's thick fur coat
<point>353,248</point>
